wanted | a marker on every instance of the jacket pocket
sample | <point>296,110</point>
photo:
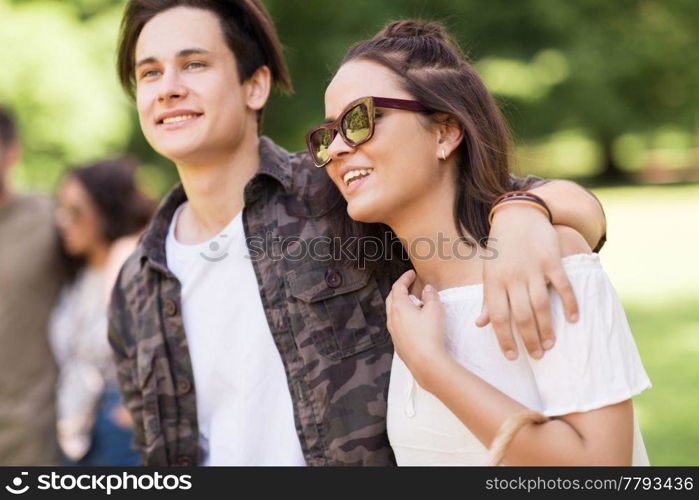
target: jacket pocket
<point>338,311</point>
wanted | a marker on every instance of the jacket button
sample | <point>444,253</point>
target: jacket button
<point>170,307</point>
<point>184,461</point>
<point>333,279</point>
<point>183,386</point>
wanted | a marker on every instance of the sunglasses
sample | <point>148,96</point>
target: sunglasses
<point>355,125</point>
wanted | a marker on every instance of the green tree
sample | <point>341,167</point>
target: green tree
<point>606,68</point>
<point>62,86</point>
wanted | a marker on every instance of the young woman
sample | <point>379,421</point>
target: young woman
<point>99,213</point>
<point>414,141</point>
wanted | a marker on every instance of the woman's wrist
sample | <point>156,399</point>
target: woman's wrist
<point>429,368</point>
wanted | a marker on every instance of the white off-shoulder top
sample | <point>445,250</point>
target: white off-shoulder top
<point>594,363</point>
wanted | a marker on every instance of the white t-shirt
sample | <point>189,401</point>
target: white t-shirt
<point>244,407</point>
<point>594,363</point>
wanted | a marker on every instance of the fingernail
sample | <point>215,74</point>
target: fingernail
<point>537,354</point>
<point>428,288</point>
<point>574,317</point>
<point>548,344</point>
<point>510,354</point>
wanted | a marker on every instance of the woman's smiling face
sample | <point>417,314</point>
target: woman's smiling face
<point>398,165</point>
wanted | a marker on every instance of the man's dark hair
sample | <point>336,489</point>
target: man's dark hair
<point>246,25</point>
<point>8,127</point>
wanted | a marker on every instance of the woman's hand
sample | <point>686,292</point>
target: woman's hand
<point>527,259</point>
<point>417,331</point>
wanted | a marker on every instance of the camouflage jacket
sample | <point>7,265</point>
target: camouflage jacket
<point>327,322</point>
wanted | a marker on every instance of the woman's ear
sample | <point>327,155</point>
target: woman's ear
<point>449,135</point>
<point>257,88</point>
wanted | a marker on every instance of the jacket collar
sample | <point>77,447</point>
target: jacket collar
<point>274,163</point>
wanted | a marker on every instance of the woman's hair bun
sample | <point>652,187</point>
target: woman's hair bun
<point>414,28</point>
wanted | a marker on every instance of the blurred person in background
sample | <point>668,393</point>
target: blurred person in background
<point>31,270</point>
<point>99,213</point>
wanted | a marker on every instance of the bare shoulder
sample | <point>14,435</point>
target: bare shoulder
<point>571,241</point>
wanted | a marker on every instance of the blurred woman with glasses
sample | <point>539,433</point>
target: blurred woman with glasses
<point>99,214</point>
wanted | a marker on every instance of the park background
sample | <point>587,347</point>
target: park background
<point>604,93</point>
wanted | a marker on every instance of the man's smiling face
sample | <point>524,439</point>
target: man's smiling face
<point>191,104</point>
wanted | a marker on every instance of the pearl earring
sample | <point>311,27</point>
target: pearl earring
<point>443,155</point>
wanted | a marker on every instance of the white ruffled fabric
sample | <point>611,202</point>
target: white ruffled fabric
<point>594,364</point>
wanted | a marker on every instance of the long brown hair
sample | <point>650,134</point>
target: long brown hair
<point>432,68</point>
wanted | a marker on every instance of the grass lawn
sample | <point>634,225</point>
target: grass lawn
<point>651,257</point>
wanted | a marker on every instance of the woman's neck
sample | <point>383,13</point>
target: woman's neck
<point>97,257</point>
<point>215,191</point>
<point>437,251</point>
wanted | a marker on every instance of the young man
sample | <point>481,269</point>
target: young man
<point>30,279</point>
<point>230,355</point>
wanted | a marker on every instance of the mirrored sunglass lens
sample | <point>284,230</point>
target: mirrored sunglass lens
<point>321,140</point>
<point>355,124</point>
